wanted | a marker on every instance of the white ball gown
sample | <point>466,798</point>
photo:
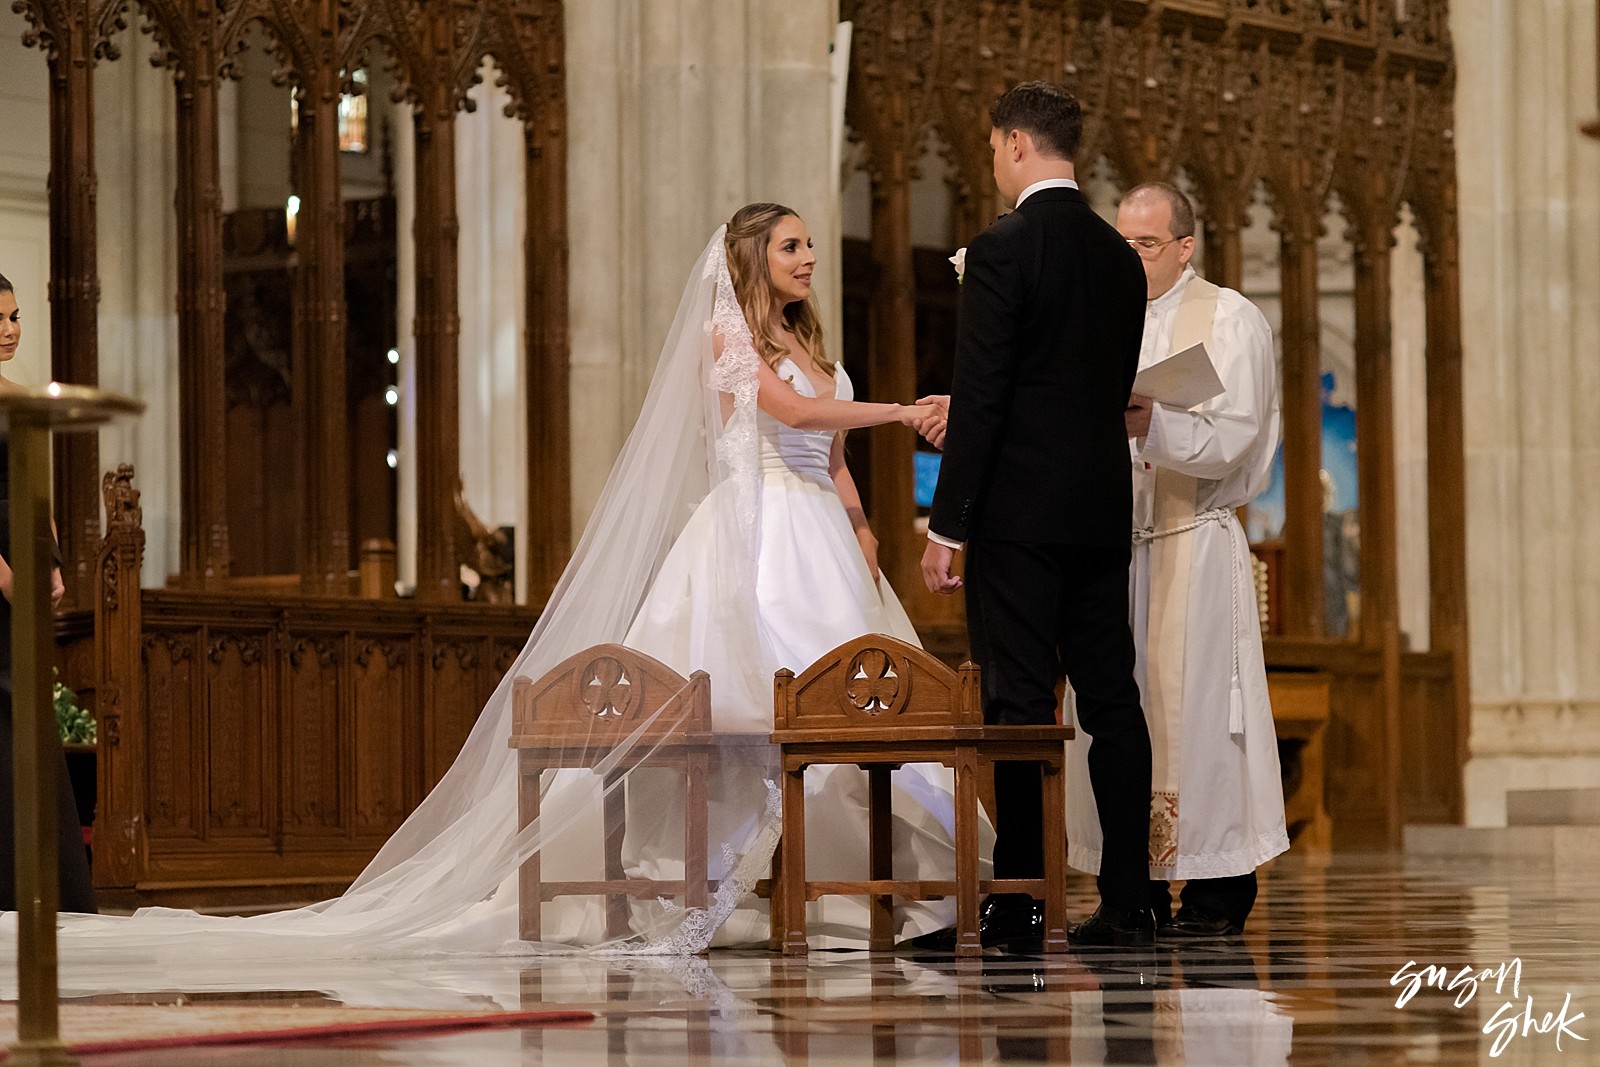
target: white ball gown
<point>813,593</point>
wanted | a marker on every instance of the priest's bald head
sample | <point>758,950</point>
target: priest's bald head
<point>1158,221</point>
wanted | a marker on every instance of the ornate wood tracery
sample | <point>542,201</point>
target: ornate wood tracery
<point>1308,98</point>
<point>74,34</point>
<point>438,48</point>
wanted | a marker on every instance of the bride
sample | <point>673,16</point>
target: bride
<point>729,538</point>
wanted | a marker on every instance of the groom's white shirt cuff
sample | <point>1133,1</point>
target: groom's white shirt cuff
<point>954,546</point>
<point>1048,183</point>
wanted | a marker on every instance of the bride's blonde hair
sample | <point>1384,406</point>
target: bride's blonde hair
<point>749,231</point>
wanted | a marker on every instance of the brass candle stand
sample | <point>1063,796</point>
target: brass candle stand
<point>30,417</point>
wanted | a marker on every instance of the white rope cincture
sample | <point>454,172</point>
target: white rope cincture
<point>1223,516</point>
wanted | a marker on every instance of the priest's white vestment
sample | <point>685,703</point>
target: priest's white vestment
<point>1217,796</point>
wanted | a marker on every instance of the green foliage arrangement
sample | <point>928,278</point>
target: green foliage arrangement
<point>77,725</point>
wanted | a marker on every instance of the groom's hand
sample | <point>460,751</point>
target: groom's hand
<point>936,574</point>
<point>933,427</point>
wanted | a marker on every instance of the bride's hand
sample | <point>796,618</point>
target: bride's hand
<point>913,415</point>
<point>869,549</point>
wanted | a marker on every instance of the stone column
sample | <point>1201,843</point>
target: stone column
<point>790,105</point>
<point>683,112</point>
<point>1530,249</point>
<point>602,213</point>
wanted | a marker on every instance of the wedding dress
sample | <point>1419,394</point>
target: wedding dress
<point>718,544</point>
<point>813,593</point>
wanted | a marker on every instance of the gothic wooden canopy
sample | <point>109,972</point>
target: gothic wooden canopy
<point>1309,99</point>
<point>437,48</point>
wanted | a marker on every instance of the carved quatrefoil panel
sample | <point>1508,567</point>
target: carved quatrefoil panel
<point>606,689</point>
<point>876,684</point>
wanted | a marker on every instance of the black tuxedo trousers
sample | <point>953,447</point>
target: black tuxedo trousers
<point>1034,612</point>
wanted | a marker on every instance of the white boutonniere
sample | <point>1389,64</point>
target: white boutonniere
<point>960,262</point>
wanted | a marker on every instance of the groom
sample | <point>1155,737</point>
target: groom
<point>1034,487</point>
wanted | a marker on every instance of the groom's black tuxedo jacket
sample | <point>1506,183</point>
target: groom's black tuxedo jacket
<point>1052,313</point>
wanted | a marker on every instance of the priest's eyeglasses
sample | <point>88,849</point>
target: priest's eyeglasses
<point>1149,246</point>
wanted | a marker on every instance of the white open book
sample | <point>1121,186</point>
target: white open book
<point>1182,380</point>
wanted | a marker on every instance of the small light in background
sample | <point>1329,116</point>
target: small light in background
<point>291,212</point>
<point>391,396</point>
<point>394,355</point>
<point>394,459</point>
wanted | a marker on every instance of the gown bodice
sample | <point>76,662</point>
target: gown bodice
<point>784,448</point>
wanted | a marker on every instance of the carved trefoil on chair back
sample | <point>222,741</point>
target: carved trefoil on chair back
<point>604,694</point>
<point>877,681</point>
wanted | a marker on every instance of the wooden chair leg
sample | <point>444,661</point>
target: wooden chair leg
<point>618,923</point>
<point>696,862</point>
<point>880,864</point>
<point>775,898</point>
<point>968,941</point>
<point>529,885</point>
<point>794,862</point>
<point>1055,855</point>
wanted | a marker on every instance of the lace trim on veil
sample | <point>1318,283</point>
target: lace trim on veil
<point>734,373</point>
<point>693,934</point>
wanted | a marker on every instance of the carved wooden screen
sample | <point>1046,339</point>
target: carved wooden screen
<point>436,47</point>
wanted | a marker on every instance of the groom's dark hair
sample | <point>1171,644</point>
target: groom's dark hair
<point>1046,112</point>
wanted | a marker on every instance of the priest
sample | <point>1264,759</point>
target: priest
<point>1216,806</point>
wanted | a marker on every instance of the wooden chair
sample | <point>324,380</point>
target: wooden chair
<point>578,715</point>
<point>879,703</point>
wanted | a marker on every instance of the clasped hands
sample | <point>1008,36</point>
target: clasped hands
<point>932,416</point>
<point>937,560</point>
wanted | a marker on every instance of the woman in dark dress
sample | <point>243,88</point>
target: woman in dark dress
<point>77,890</point>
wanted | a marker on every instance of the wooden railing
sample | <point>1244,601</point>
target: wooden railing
<point>258,749</point>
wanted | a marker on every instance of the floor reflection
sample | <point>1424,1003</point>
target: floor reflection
<point>1312,983</point>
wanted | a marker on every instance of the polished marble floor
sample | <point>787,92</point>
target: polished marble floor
<point>1316,980</point>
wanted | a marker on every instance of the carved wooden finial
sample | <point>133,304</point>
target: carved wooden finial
<point>121,499</point>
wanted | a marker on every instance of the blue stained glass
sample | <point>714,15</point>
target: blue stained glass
<point>926,476</point>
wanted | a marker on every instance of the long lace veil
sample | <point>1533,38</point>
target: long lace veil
<point>446,880</point>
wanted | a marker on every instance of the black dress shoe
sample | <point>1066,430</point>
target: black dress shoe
<point>1003,919</point>
<point>1006,918</point>
<point>1114,926</point>
<point>1197,924</point>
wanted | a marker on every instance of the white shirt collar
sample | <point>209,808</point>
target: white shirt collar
<point>1048,183</point>
<point>1169,299</point>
